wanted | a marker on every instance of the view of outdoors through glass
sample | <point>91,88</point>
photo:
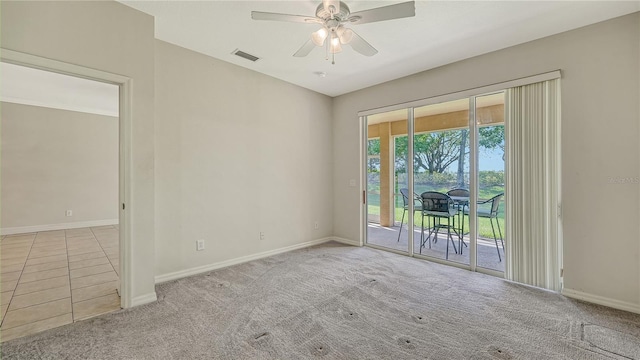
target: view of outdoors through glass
<point>385,205</point>
<point>441,174</point>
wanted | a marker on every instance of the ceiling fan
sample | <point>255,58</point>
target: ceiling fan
<point>334,16</point>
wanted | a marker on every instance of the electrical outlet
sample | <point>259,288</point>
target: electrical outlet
<point>352,182</point>
<point>68,213</point>
<point>316,225</point>
<point>261,235</point>
<point>199,245</point>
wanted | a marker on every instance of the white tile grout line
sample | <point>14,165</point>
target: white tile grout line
<point>81,287</point>
<point>108,258</point>
<point>35,321</point>
<point>80,277</point>
<point>52,262</point>
<point>4,316</point>
<point>104,312</point>
<point>66,247</point>
<point>31,292</point>
<point>2,340</point>
<point>66,297</point>
<point>105,253</point>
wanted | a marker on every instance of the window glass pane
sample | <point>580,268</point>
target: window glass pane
<point>386,177</point>
<point>490,120</point>
<point>441,180</point>
<point>373,180</point>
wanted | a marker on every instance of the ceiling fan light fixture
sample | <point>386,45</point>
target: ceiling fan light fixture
<point>335,46</point>
<point>319,36</point>
<point>345,35</point>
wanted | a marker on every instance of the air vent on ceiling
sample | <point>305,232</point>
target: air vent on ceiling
<point>244,55</point>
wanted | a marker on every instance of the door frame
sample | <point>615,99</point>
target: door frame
<point>124,84</point>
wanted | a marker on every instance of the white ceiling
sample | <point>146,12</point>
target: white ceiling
<point>29,86</point>
<point>442,32</point>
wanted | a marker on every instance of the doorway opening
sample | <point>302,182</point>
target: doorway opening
<point>61,189</point>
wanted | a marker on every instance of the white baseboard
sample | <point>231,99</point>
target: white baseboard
<point>50,227</point>
<point>144,299</point>
<point>205,268</point>
<point>601,300</point>
<point>346,241</point>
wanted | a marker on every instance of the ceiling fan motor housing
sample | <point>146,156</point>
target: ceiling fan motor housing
<point>341,14</point>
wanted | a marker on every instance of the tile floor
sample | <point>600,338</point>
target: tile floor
<point>53,278</point>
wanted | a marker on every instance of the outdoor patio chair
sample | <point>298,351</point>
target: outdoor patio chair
<point>417,206</point>
<point>462,206</point>
<point>438,206</point>
<point>492,214</point>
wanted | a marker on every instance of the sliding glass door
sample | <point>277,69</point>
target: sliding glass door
<point>435,181</point>
<point>388,210</point>
<point>441,180</point>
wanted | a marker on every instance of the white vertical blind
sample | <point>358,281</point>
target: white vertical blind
<point>532,131</point>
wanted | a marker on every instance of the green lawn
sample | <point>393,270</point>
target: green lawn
<point>484,227</point>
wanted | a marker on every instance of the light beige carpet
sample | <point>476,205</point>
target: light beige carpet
<point>340,302</point>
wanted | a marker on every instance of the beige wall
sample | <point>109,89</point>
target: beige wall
<point>57,160</point>
<point>237,152</point>
<point>600,137</point>
<point>111,37</point>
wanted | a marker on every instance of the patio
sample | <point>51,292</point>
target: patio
<point>388,238</point>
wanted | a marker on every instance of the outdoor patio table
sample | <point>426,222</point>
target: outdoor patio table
<point>461,202</point>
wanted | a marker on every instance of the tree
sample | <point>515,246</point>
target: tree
<point>492,137</point>
<point>373,147</point>
<point>461,156</point>
<point>434,152</point>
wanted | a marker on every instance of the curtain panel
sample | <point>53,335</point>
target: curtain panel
<point>532,185</point>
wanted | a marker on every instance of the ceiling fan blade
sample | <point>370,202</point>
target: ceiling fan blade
<point>305,49</point>
<point>397,11</point>
<point>259,15</point>
<point>362,46</point>
<point>331,6</point>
